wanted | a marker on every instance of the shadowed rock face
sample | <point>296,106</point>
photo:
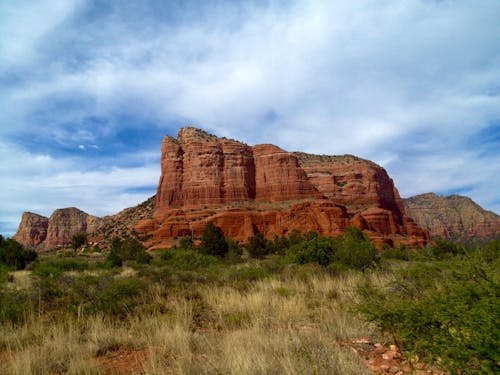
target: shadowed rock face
<point>32,230</point>
<point>246,190</point>
<point>452,217</point>
<point>45,233</point>
<point>64,223</point>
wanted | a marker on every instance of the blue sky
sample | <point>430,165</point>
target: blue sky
<point>89,88</point>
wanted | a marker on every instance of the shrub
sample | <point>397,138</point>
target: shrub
<point>446,312</point>
<point>234,250</point>
<point>355,252</point>
<point>213,241</point>
<point>318,249</point>
<point>78,240</point>
<point>446,249</point>
<point>127,248</point>
<point>258,246</point>
<point>14,255</point>
<point>113,259</point>
<point>57,267</point>
<point>118,296</point>
<point>187,259</point>
<point>186,242</point>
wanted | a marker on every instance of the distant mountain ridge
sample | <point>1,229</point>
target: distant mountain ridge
<point>452,217</point>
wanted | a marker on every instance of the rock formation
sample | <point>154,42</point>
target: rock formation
<point>32,230</point>
<point>46,233</point>
<point>66,222</point>
<point>263,188</point>
<point>452,217</point>
<point>244,190</point>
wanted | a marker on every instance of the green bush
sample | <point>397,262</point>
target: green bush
<point>78,240</point>
<point>446,249</point>
<point>187,259</point>
<point>258,246</point>
<point>56,268</point>
<point>127,248</point>
<point>118,297</point>
<point>356,252</point>
<point>213,241</point>
<point>114,259</point>
<point>318,249</point>
<point>447,312</point>
<point>14,255</point>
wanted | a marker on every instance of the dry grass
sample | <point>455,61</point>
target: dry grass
<point>278,325</point>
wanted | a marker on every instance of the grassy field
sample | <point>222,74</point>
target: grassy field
<point>184,312</point>
<point>260,317</point>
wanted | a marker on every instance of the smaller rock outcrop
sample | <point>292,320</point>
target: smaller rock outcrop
<point>452,217</point>
<point>32,230</point>
<point>64,223</point>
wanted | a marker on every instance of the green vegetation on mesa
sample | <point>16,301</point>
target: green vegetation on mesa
<point>441,303</point>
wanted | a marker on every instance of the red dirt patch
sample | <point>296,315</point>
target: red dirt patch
<point>123,362</point>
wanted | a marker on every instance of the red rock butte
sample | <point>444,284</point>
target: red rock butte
<point>246,190</point>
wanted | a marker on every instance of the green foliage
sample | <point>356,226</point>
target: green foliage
<point>444,311</point>
<point>114,259</point>
<point>250,273</point>
<point>118,297</point>
<point>213,241</point>
<point>14,255</point>
<point>187,259</point>
<point>354,250</point>
<point>186,242</point>
<point>78,240</point>
<point>56,268</point>
<point>446,249</point>
<point>258,246</point>
<point>127,248</point>
<point>234,250</point>
<point>318,249</point>
<point>400,253</point>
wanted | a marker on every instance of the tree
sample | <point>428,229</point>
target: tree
<point>213,241</point>
<point>258,246</point>
<point>13,254</point>
<point>78,239</point>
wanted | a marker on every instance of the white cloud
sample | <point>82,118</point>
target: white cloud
<point>402,83</point>
<point>40,183</point>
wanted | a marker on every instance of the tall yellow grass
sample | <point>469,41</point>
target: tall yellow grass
<point>277,325</point>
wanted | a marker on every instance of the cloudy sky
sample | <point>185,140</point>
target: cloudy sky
<point>89,88</point>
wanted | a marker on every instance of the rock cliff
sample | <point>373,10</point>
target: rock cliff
<point>46,233</point>
<point>266,189</point>
<point>32,230</point>
<point>66,222</point>
<point>452,217</point>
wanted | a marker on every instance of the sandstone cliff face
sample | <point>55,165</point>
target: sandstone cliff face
<point>200,169</point>
<point>452,217</point>
<point>46,233</point>
<point>246,190</point>
<point>32,230</point>
<point>66,222</point>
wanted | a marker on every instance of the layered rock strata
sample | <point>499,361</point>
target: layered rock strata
<point>453,217</point>
<point>46,233</point>
<point>246,190</point>
<point>32,230</point>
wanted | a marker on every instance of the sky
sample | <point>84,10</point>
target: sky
<point>89,88</point>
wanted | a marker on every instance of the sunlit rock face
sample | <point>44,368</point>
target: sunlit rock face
<point>246,190</point>
<point>452,217</point>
